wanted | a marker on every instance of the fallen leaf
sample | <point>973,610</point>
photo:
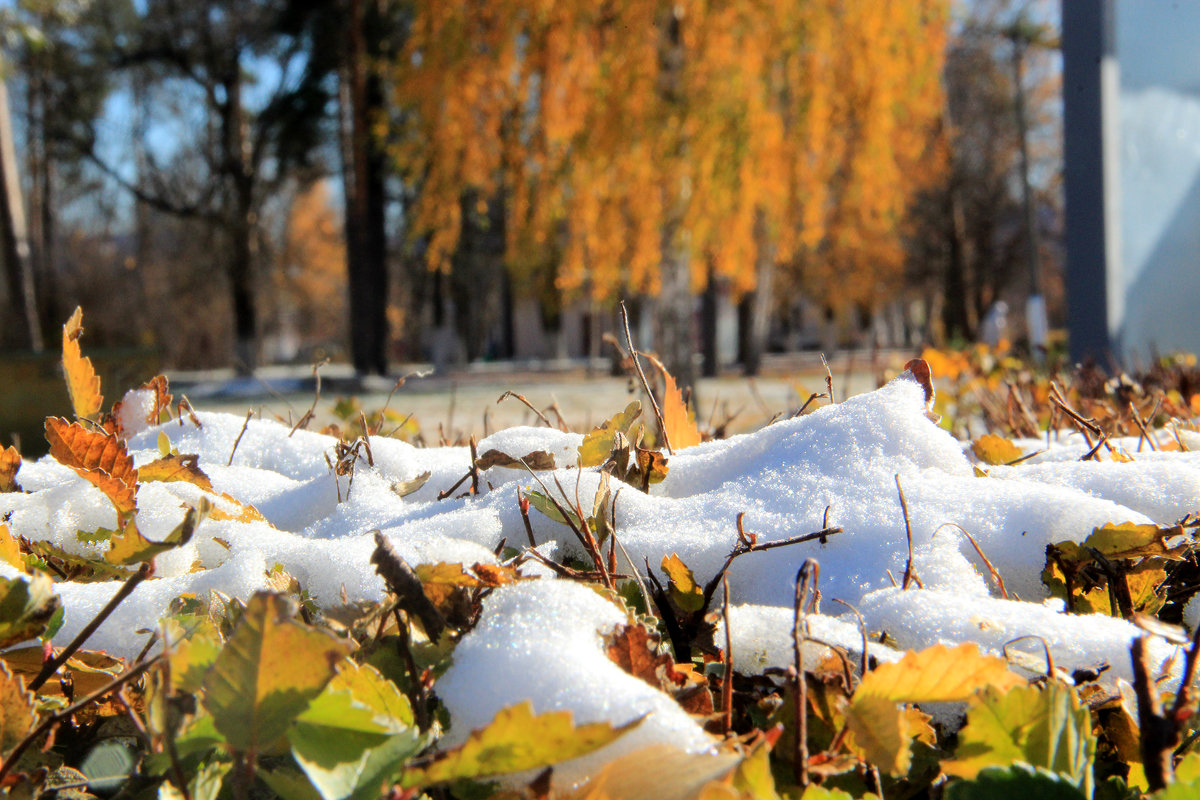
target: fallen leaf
<point>10,464</point>
<point>184,468</point>
<point>537,460</point>
<point>678,419</point>
<point>98,458</point>
<point>995,450</point>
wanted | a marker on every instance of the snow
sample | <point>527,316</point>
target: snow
<point>542,639</point>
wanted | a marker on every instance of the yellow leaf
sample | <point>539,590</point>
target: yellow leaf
<point>661,771</point>
<point>98,458</point>
<point>514,741</point>
<point>175,468</point>
<point>995,450</point>
<point>1133,540</point>
<point>938,674</point>
<point>678,419</point>
<point>598,444</point>
<point>879,728</point>
<point>130,547</point>
<point>10,551</point>
<point>686,593</point>
<point>242,512</point>
<point>10,463</point>
<point>83,383</point>
<point>17,711</point>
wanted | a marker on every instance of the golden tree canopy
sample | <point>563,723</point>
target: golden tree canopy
<point>617,131</point>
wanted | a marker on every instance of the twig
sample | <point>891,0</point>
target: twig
<point>908,570</point>
<point>474,467</point>
<point>403,379</point>
<point>1050,669</point>
<point>51,666</point>
<point>528,405</point>
<point>727,677</point>
<point>637,364</point>
<point>1160,735</point>
<point>995,573</point>
<point>748,543</point>
<point>59,716</point>
<point>807,403</point>
<point>806,579</point>
<point>828,378</point>
<point>862,631</point>
<point>1137,418</point>
<point>238,440</point>
<point>523,504</point>
<point>312,410</point>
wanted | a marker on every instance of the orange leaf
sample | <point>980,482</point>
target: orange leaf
<point>629,648</point>
<point>175,468</point>
<point>244,512</point>
<point>83,383</point>
<point>680,423</point>
<point>10,463</point>
<point>98,458</point>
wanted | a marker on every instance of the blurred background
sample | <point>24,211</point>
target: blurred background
<point>234,183</point>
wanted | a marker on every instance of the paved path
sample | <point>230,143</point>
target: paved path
<point>465,403</point>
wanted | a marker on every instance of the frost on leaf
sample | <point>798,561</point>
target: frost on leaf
<point>98,458</point>
<point>83,383</point>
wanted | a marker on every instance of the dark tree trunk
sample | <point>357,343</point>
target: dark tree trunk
<point>954,309</point>
<point>708,326</point>
<point>364,165</point>
<point>754,312</point>
<point>15,239</point>
<point>240,225</point>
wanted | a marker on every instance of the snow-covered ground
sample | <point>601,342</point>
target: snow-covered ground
<point>541,639</point>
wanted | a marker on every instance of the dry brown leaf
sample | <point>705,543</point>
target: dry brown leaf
<point>679,421</point>
<point>243,512</point>
<point>10,462</point>
<point>83,383</point>
<point>175,468</point>
<point>538,459</point>
<point>629,648</point>
<point>98,458</point>
<point>918,370</point>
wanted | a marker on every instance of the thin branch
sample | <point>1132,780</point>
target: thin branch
<point>908,570</point>
<point>51,666</point>
<point>528,405</point>
<point>633,352</point>
<point>238,440</point>
<point>727,677</point>
<point>806,580</point>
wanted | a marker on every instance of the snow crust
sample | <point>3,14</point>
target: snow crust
<point>541,640</point>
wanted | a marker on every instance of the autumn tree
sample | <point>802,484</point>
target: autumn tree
<point>310,278</point>
<point>651,147</point>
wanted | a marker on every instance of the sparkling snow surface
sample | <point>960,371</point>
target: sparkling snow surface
<point>541,640</point>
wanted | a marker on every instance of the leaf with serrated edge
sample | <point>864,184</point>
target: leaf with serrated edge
<point>98,458</point>
<point>26,605</point>
<point>1133,540</point>
<point>938,674</point>
<point>18,714</point>
<point>659,770</point>
<point>598,444</point>
<point>678,419</point>
<point>10,463</point>
<point>880,733</point>
<point>1043,727</point>
<point>995,450</point>
<point>83,384</point>
<point>514,741</point>
<point>243,512</point>
<point>268,671</point>
<point>685,592</point>
<point>175,468</point>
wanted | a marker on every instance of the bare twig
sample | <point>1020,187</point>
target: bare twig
<point>727,677</point>
<point>807,403</point>
<point>51,666</point>
<point>806,580</point>
<point>828,378</point>
<point>312,410</point>
<point>528,405</point>
<point>979,551</point>
<point>523,505</point>
<point>908,570</point>
<point>238,440</point>
<point>1160,735</point>
<point>403,380</point>
<point>862,631</point>
<point>637,364</point>
<point>1050,669</point>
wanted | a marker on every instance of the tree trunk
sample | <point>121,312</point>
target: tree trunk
<point>363,170</point>
<point>15,239</point>
<point>240,225</point>
<point>708,325</point>
<point>754,312</point>
<point>955,323</point>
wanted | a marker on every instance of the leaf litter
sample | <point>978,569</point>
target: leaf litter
<point>518,632</point>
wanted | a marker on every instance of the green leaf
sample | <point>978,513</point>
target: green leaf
<point>753,776</point>
<point>130,547</point>
<point>685,593</point>
<point>1041,727</point>
<point>514,741</point>
<point>267,673</point>
<point>815,792</point>
<point>345,763</point>
<point>192,652</point>
<point>289,785</point>
<point>27,606</point>
<point>548,507</point>
<point>598,444</point>
<point>108,765</point>
<point>881,734</point>
<point>1015,781</point>
<point>207,783</point>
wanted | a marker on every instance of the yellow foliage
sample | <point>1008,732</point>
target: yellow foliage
<point>619,134</point>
